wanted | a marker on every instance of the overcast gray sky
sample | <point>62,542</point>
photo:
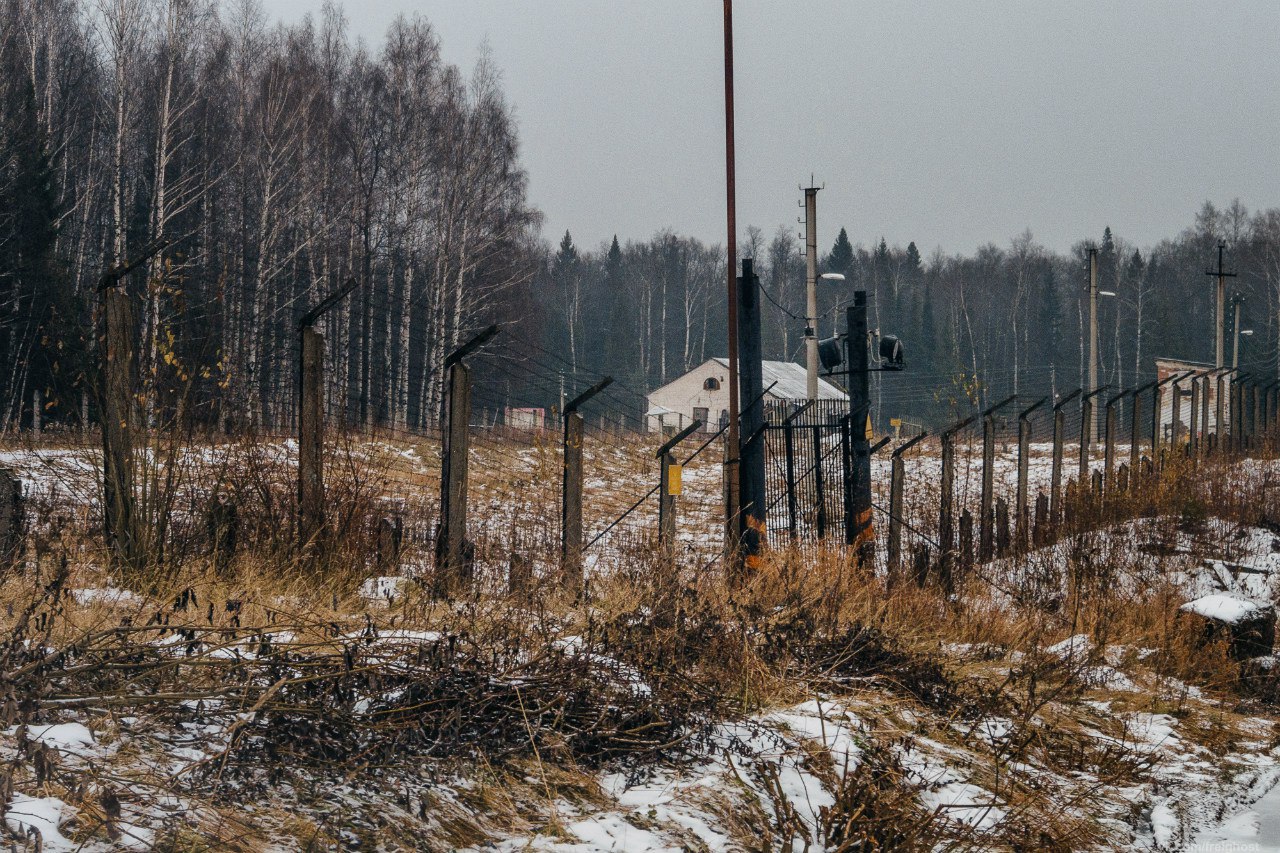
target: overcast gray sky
<point>951,123</point>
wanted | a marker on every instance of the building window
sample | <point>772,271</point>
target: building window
<point>712,384</point>
<point>724,419</point>
<point>700,414</point>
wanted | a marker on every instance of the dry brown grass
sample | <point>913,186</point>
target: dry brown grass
<point>707,649</point>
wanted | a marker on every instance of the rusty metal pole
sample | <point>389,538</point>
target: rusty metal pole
<point>732,490</point>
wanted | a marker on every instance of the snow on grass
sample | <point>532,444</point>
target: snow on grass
<point>1222,607</point>
<point>107,595</point>
<point>42,815</point>
<point>67,737</point>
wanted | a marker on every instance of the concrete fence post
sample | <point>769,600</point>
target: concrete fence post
<point>1055,472</point>
<point>897,484</point>
<point>454,553</point>
<point>12,520</point>
<point>986,536</point>
<point>1022,509</point>
<point>571,447</point>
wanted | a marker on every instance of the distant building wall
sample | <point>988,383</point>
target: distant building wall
<point>1175,425</point>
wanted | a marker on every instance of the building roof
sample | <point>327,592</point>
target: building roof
<point>792,381</point>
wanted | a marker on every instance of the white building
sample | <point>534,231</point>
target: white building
<point>1175,423</point>
<point>703,394</point>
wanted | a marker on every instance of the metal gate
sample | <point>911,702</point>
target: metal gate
<point>808,464</point>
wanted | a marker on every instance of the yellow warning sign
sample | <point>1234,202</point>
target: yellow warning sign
<point>675,476</point>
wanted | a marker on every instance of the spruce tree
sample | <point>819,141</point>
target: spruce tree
<point>840,260</point>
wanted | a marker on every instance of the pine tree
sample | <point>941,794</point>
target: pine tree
<point>840,260</point>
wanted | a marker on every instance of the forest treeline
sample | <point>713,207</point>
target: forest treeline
<point>1005,320</point>
<point>278,162</point>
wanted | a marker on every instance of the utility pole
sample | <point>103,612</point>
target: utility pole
<point>732,495</point>
<point>1093,339</point>
<point>811,290</point>
<point>1222,275</point>
<point>1235,345</point>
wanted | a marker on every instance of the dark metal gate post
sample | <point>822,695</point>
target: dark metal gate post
<point>752,502</point>
<point>1022,511</point>
<point>859,409</point>
<point>819,489</point>
<point>847,460</point>
<point>1055,473</point>
<point>789,446</point>
<point>571,490</point>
